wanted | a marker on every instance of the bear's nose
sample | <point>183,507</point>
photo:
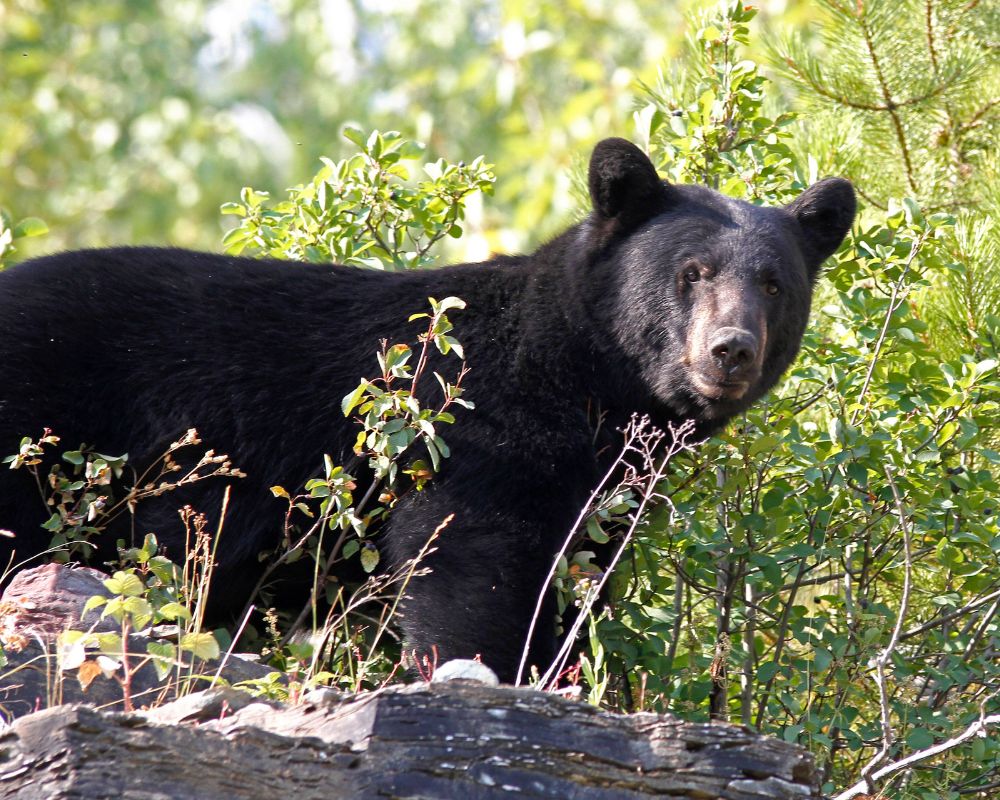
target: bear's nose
<point>733,349</point>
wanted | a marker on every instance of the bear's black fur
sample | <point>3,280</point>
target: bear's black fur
<point>667,300</point>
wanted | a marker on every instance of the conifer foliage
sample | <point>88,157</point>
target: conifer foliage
<point>907,98</point>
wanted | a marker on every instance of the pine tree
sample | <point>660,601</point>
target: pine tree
<point>906,101</point>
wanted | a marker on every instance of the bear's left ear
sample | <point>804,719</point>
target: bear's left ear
<point>624,186</point>
<point>825,212</point>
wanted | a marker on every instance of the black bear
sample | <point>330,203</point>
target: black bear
<point>667,300</point>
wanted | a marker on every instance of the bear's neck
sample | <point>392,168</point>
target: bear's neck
<point>561,343</point>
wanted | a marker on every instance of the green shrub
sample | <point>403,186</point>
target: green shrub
<point>769,586</point>
<point>364,210</point>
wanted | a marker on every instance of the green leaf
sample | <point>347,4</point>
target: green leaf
<point>172,611</point>
<point>305,510</point>
<point>125,583</point>
<point>451,343</point>
<point>30,226</point>
<point>446,305</point>
<point>164,655</point>
<point>110,643</point>
<point>200,645</point>
<point>354,135</point>
<point>140,610</point>
<point>351,401</point>
<point>435,456</point>
<point>369,557</point>
<point>93,602</point>
<point>595,532</point>
<point>767,671</point>
<point>822,658</point>
<point>235,240</point>
<point>911,208</point>
<point>919,738</point>
<point>163,568</point>
<point>53,523</point>
<point>763,444</point>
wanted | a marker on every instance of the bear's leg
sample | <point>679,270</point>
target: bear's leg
<point>479,593</point>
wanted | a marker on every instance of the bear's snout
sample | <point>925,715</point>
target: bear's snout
<point>727,363</point>
<point>734,351</point>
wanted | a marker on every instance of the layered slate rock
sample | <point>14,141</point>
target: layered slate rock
<point>448,740</point>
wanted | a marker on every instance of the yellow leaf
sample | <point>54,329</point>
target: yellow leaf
<point>87,672</point>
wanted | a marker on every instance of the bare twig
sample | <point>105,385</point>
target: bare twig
<point>232,646</point>
<point>570,536</point>
<point>649,441</point>
<point>977,728</point>
<point>888,736</point>
<point>405,575</point>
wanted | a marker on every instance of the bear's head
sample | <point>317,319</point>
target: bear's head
<point>697,301</point>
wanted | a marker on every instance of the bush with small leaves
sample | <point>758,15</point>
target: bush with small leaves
<point>82,496</point>
<point>393,424</point>
<point>146,592</point>
<point>860,499</point>
<point>365,210</point>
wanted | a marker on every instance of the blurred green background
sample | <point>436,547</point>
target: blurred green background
<point>130,123</point>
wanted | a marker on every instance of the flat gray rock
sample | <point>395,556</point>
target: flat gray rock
<point>450,740</point>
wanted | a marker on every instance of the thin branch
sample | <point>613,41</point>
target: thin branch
<point>977,117</point>
<point>977,728</point>
<point>833,576</point>
<point>675,633</point>
<point>894,303</point>
<point>891,105</point>
<point>929,30</point>
<point>749,660</point>
<point>870,200</point>
<point>570,536</point>
<point>824,91</point>
<point>654,473</point>
<point>946,618</point>
<point>858,105</point>
<point>981,788</point>
<point>786,612</point>
<point>888,737</point>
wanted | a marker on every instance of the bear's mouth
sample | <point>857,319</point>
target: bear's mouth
<point>715,389</point>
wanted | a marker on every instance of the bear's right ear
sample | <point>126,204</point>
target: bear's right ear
<point>624,186</point>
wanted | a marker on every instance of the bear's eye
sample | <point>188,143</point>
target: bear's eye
<point>692,274</point>
<point>772,288</point>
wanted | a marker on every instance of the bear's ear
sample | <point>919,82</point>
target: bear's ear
<point>623,183</point>
<point>825,212</point>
